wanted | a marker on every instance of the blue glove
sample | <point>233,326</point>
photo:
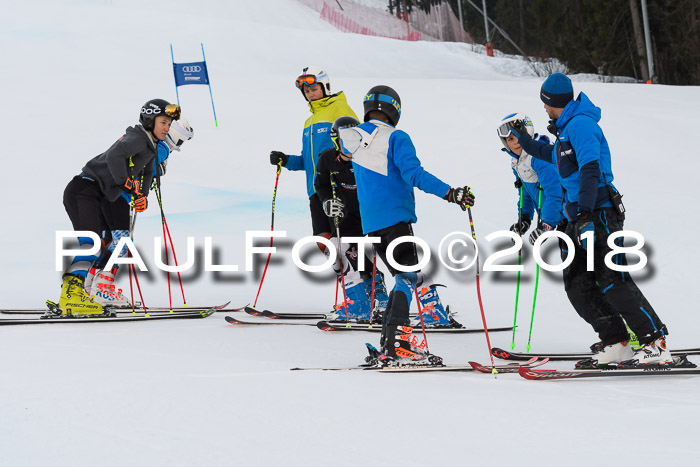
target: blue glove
<point>584,223</point>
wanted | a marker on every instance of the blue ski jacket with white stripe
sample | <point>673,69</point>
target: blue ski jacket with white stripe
<point>536,175</point>
<point>386,171</point>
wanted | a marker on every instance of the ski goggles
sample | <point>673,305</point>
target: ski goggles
<point>173,111</point>
<point>309,80</point>
<point>504,130</point>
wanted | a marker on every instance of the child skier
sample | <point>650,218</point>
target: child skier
<point>125,167</point>
<point>100,283</point>
<point>386,170</point>
<point>337,190</point>
<point>537,182</point>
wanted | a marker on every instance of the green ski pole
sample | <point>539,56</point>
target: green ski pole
<point>537,274</point>
<point>517,287</point>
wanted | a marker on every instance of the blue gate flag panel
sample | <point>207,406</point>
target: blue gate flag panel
<point>190,73</point>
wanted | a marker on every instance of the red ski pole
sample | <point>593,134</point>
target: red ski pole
<point>272,228</point>
<point>478,293</point>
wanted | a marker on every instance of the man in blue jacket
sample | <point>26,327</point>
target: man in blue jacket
<point>592,206</point>
<point>386,171</point>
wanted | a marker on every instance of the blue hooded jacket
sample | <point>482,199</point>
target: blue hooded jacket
<point>548,182</point>
<point>582,156</point>
<point>386,195</point>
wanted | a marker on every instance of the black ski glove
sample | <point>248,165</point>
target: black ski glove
<point>520,132</point>
<point>460,196</point>
<point>522,226</point>
<point>277,156</point>
<point>584,223</point>
<point>541,228</point>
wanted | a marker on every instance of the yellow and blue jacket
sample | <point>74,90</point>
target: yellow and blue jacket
<point>317,135</point>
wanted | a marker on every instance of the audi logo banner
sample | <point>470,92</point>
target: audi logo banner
<point>190,73</point>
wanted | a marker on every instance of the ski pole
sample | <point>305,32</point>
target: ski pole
<point>374,283</point>
<point>537,274</point>
<point>132,268</point>
<point>172,248</point>
<point>132,224</point>
<point>166,229</point>
<point>517,287</point>
<point>478,293</point>
<point>272,228</point>
<point>337,284</point>
<point>165,244</point>
<point>340,259</point>
<point>420,315</point>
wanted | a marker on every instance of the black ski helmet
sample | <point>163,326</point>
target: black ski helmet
<point>384,99</point>
<point>155,107</point>
<point>340,123</point>
<point>343,122</point>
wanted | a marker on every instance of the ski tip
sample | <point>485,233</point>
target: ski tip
<point>324,326</point>
<point>232,320</point>
<point>529,374</point>
<point>221,307</point>
<point>240,308</point>
<point>479,367</point>
<point>269,314</point>
<point>500,353</point>
<point>252,311</point>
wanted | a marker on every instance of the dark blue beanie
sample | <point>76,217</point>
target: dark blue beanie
<point>557,90</point>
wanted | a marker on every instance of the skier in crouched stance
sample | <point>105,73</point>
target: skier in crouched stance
<point>386,171</point>
<point>127,166</point>
<point>100,283</point>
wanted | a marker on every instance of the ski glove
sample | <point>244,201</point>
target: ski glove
<point>520,132</point>
<point>461,196</point>
<point>140,203</point>
<point>277,156</point>
<point>334,207</point>
<point>133,187</point>
<point>541,228</point>
<point>522,226</point>
<point>584,223</point>
<point>518,128</point>
<point>162,166</point>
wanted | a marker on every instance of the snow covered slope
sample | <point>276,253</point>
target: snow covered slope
<point>75,74</point>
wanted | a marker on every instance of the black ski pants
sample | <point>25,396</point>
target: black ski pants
<point>604,297</point>
<point>82,199</point>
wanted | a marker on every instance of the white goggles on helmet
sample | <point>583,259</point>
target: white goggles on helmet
<point>505,130</point>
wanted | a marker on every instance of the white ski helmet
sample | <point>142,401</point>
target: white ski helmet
<point>180,131</point>
<point>312,75</point>
<point>505,127</point>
